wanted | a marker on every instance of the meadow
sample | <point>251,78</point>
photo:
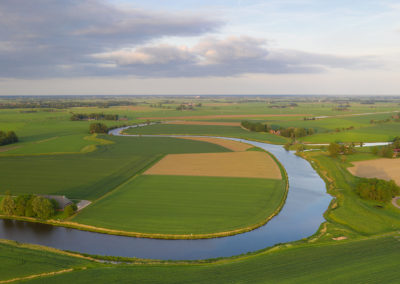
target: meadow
<point>185,204</point>
<point>91,175</point>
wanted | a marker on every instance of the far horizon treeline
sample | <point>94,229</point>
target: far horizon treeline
<point>8,138</point>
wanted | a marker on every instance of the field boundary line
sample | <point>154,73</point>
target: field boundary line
<point>38,275</point>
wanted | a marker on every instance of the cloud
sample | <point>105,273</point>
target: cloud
<point>38,36</point>
<point>75,38</point>
<point>224,57</point>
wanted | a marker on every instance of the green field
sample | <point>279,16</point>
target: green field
<point>363,261</point>
<point>212,130</point>
<point>90,175</point>
<point>355,214</point>
<point>17,261</point>
<point>185,204</point>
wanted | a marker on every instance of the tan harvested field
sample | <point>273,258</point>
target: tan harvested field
<point>135,108</point>
<point>386,169</point>
<point>234,164</point>
<point>222,116</point>
<point>229,144</point>
<point>186,122</point>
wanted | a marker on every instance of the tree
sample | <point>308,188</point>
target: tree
<point>334,149</point>
<point>42,207</point>
<point>98,128</point>
<point>70,210</point>
<point>8,204</point>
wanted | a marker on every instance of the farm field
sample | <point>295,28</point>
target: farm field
<point>185,204</point>
<point>387,169</point>
<point>93,173</point>
<point>212,130</point>
<point>229,144</point>
<point>250,164</point>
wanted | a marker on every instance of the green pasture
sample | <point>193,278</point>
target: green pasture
<point>17,261</point>
<point>185,204</point>
<point>90,175</point>
<point>212,130</point>
<point>364,261</point>
<point>352,212</point>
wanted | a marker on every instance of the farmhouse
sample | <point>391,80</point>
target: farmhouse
<point>61,200</point>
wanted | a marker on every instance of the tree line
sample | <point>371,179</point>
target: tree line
<point>94,116</point>
<point>290,132</point>
<point>8,138</point>
<point>64,104</point>
<point>377,189</point>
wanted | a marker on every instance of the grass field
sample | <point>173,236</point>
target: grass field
<point>348,210</point>
<point>364,261</point>
<point>248,164</point>
<point>212,130</point>
<point>21,261</point>
<point>185,205</point>
<point>91,175</point>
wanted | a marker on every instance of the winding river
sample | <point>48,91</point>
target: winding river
<point>300,217</point>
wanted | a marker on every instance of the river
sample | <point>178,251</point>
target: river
<point>300,217</point>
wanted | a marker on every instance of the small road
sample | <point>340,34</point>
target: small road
<point>394,202</point>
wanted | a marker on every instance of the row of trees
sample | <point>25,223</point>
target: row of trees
<point>28,206</point>
<point>290,132</point>
<point>8,138</point>
<point>377,189</point>
<point>95,116</point>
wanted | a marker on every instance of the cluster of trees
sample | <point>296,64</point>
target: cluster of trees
<point>98,128</point>
<point>95,116</point>
<point>291,132</point>
<point>377,189</point>
<point>388,150</point>
<point>190,106</point>
<point>335,149</point>
<point>296,132</point>
<point>28,206</point>
<point>8,138</point>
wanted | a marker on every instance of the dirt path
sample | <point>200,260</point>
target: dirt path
<point>394,201</point>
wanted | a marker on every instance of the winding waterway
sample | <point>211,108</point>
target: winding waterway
<point>300,217</point>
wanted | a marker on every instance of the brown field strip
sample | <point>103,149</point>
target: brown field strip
<point>249,164</point>
<point>229,144</point>
<point>185,122</point>
<point>223,116</point>
<point>386,169</point>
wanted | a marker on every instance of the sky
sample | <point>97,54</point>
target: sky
<point>79,47</point>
